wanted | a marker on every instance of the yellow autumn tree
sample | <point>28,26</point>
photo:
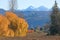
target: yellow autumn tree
<point>4,30</point>
<point>22,28</point>
<point>13,20</point>
<point>18,25</point>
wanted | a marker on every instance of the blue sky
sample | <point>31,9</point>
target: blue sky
<point>23,4</point>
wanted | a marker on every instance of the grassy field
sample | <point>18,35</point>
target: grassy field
<point>32,36</point>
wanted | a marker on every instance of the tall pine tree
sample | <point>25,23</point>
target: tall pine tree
<point>54,20</point>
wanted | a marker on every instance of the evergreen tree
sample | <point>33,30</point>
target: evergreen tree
<point>54,20</point>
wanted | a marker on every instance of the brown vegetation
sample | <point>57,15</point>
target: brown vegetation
<point>30,31</point>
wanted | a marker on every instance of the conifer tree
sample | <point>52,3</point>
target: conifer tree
<point>54,20</point>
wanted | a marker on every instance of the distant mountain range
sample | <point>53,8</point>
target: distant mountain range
<point>31,8</point>
<point>34,16</point>
<point>2,11</point>
<point>41,8</point>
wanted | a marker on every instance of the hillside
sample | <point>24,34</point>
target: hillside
<point>34,18</point>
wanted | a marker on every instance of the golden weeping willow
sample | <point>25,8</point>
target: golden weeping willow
<point>11,25</point>
<point>22,27</point>
<point>4,23</point>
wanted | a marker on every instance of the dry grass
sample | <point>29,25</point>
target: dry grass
<point>32,36</point>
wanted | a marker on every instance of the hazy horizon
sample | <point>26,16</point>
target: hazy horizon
<point>23,4</point>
